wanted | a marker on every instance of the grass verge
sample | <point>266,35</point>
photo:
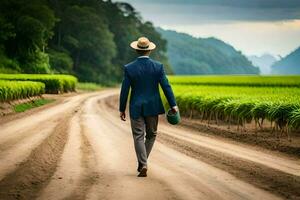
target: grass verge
<point>26,106</point>
<point>89,86</point>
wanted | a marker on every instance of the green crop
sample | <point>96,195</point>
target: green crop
<point>238,80</point>
<point>53,83</point>
<point>240,104</point>
<point>12,90</point>
<point>294,119</point>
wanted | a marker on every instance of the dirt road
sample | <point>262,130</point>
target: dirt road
<point>79,149</point>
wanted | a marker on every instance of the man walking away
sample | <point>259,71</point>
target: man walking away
<point>144,76</point>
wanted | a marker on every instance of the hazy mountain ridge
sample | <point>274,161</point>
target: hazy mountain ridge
<point>190,55</point>
<point>264,62</point>
<point>289,64</point>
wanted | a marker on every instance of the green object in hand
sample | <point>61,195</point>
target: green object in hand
<point>173,117</point>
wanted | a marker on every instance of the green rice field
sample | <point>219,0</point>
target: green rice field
<point>238,80</point>
<point>240,99</point>
<point>20,86</point>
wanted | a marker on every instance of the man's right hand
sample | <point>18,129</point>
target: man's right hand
<point>175,109</point>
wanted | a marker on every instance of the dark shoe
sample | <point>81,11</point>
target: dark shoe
<point>143,172</point>
<point>140,166</point>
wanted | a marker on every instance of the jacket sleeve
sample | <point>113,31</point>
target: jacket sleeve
<point>124,91</point>
<point>166,87</point>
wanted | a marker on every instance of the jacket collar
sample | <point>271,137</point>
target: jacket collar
<point>143,57</point>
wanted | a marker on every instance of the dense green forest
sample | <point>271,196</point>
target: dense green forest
<point>289,64</point>
<point>87,38</point>
<point>190,55</point>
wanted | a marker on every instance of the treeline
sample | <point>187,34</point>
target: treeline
<point>87,38</point>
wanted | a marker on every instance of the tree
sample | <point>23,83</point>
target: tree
<point>32,23</point>
<point>86,36</point>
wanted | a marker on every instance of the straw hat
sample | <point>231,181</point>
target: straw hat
<point>143,44</point>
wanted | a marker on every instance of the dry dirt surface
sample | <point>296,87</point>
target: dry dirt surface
<point>80,149</point>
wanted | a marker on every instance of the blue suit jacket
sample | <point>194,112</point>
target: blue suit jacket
<point>143,76</point>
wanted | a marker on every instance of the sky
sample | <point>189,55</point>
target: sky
<point>253,26</point>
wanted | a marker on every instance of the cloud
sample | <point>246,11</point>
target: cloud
<point>206,11</point>
<point>253,26</point>
<point>231,3</point>
<point>277,38</point>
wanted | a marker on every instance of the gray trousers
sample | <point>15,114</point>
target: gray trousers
<point>144,146</point>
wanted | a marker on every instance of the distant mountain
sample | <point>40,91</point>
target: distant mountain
<point>264,62</point>
<point>289,64</point>
<point>190,55</point>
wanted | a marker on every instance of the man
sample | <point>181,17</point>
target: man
<point>144,76</point>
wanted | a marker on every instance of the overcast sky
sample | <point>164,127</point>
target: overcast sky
<point>252,26</point>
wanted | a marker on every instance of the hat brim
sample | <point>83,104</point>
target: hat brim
<point>135,46</point>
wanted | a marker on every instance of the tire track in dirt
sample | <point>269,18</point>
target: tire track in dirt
<point>289,166</point>
<point>75,174</point>
<point>32,146</point>
<point>269,179</point>
<point>67,175</point>
<point>32,175</point>
<point>12,140</point>
<point>19,125</point>
<point>16,153</point>
<point>90,177</point>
